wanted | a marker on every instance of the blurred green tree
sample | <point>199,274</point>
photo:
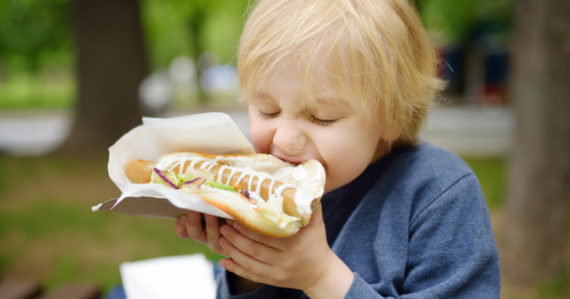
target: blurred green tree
<point>192,28</point>
<point>111,63</point>
<point>178,27</point>
<point>32,33</point>
<point>36,43</point>
<point>112,58</point>
<point>454,21</point>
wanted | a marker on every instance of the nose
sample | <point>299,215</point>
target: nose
<point>290,140</point>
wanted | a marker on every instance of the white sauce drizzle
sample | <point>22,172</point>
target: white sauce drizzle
<point>220,175</point>
<point>303,198</point>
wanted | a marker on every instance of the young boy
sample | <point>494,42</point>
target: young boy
<point>349,83</point>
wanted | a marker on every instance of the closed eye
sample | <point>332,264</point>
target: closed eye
<point>323,122</point>
<point>267,115</point>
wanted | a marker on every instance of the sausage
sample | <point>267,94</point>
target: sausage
<point>139,171</point>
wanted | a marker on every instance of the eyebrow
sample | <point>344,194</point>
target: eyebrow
<point>327,100</point>
<point>334,101</point>
<point>261,94</point>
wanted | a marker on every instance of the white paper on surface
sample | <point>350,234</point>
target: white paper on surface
<point>213,132</point>
<point>188,276</point>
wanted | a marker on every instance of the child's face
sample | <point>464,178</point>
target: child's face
<point>335,132</point>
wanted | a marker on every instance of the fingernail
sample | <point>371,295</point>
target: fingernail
<point>223,263</point>
<point>182,219</point>
<point>222,242</point>
<point>236,225</point>
<point>224,230</point>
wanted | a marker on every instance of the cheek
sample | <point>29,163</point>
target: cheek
<point>352,152</point>
<point>344,165</point>
<point>260,135</point>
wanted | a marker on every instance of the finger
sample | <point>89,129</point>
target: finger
<point>275,243</point>
<point>247,261</point>
<point>230,265</point>
<point>180,227</point>
<point>213,233</point>
<point>194,226</point>
<point>250,247</point>
<point>267,276</point>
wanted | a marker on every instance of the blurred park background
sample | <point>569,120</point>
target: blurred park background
<point>76,75</point>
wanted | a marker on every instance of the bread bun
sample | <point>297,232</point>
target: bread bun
<point>260,191</point>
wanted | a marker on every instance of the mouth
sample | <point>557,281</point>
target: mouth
<point>291,161</point>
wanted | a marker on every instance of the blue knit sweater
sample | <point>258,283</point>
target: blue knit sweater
<point>413,225</point>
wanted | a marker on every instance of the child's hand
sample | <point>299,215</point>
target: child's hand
<point>303,261</point>
<point>204,230</point>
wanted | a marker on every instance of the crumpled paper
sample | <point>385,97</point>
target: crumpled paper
<point>213,132</point>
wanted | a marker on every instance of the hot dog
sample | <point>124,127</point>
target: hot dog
<point>262,192</point>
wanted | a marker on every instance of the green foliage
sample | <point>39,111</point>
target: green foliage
<point>173,27</point>
<point>455,20</point>
<point>33,33</point>
<point>37,55</point>
<point>36,34</point>
<point>165,29</point>
<point>491,173</point>
<point>35,38</point>
<point>557,287</point>
<point>47,89</point>
<point>45,216</point>
<point>222,30</point>
<point>65,267</point>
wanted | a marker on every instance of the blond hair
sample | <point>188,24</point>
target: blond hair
<point>378,54</point>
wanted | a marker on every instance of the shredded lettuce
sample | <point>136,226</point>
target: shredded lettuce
<point>170,178</point>
<point>175,180</point>
<point>222,186</point>
<point>272,209</point>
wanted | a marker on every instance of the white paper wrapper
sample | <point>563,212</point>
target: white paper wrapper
<point>214,133</point>
<point>186,276</point>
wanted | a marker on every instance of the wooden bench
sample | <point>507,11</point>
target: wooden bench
<point>19,288</point>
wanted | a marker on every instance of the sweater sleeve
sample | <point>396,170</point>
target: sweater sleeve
<point>452,251</point>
